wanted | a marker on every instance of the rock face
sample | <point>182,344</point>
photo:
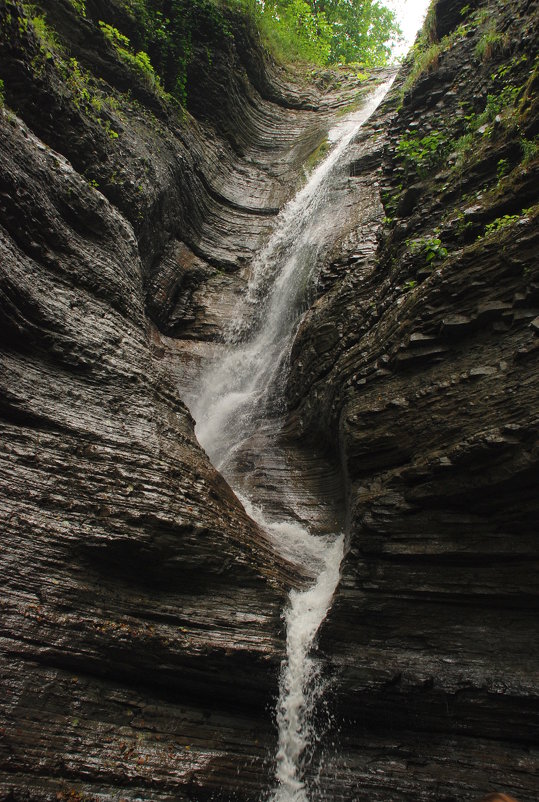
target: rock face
<point>141,631</point>
<point>141,608</point>
<point>429,384</point>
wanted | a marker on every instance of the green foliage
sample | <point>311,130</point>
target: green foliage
<point>424,61</point>
<point>530,148</point>
<point>117,39</point>
<point>296,31</point>
<point>464,146</point>
<point>390,201</point>
<point>80,6</point>
<point>500,222</point>
<point>1,93</point>
<point>504,100</point>
<point>138,61</point>
<point>361,30</point>
<point>489,44</point>
<point>434,250</point>
<point>48,44</point>
<point>508,220</point>
<point>167,30</point>
<point>501,106</point>
<point>421,154</point>
<point>317,31</point>
<point>430,248</point>
<point>502,168</point>
<point>327,31</point>
<point>427,51</point>
<point>85,97</point>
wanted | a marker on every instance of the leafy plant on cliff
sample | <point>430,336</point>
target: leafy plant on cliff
<point>83,93</point>
<point>167,33</point>
<point>422,153</point>
<point>433,250</point>
<point>45,36</point>
<point>1,93</point>
<point>502,222</point>
<point>426,52</point>
<point>501,109</point>
<point>530,149</point>
<point>490,43</point>
<point>430,248</point>
<point>139,61</point>
<point>80,6</point>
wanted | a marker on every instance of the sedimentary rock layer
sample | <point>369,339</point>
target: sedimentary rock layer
<point>420,359</point>
<point>141,631</point>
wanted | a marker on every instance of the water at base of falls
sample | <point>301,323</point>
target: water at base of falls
<point>300,685</point>
<point>239,396</point>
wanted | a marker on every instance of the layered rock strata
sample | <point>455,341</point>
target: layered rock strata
<point>141,630</point>
<point>420,360</point>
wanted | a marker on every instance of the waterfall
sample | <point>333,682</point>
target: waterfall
<point>240,395</point>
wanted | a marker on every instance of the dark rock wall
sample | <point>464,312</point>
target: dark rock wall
<point>140,627</point>
<point>431,389</point>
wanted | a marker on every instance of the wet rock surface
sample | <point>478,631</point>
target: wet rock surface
<point>141,630</point>
<point>424,370</point>
<point>141,608</point>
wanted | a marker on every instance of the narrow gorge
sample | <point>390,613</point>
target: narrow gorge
<point>287,317</point>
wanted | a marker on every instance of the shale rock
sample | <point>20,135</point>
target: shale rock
<point>420,360</point>
<point>141,608</point>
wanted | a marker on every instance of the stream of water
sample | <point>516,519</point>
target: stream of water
<point>239,394</point>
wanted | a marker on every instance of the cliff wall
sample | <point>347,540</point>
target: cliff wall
<point>420,360</point>
<point>141,630</point>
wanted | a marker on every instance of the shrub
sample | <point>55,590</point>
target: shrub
<point>490,43</point>
<point>422,153</point>
<point>139,62</point>
<point>430,248</point>
<point>80,6</point>
<point>530,148</point>
<point>500,223</point>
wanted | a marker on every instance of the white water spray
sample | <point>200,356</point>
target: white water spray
<point>237,398</point>
<point>300,686</point>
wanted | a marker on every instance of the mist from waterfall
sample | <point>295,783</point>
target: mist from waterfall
<point>243,390</point>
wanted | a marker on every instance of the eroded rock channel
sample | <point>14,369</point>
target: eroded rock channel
<point>141,627</point>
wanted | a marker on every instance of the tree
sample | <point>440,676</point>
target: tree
<point>299,29</point>
<point>331,31</point>
<point>362,30</point>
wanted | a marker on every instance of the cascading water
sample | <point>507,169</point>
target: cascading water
<point>240,395</point>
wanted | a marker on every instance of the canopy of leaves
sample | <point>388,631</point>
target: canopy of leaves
<point>330,31</point>
<point>317,31</point>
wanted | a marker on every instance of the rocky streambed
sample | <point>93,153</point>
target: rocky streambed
<point>141,606</point>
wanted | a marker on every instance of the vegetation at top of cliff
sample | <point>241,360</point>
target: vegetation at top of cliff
<point>429,47</point>
<point>163,38</point>
<point>328,31</point>
<point>318,31</point>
